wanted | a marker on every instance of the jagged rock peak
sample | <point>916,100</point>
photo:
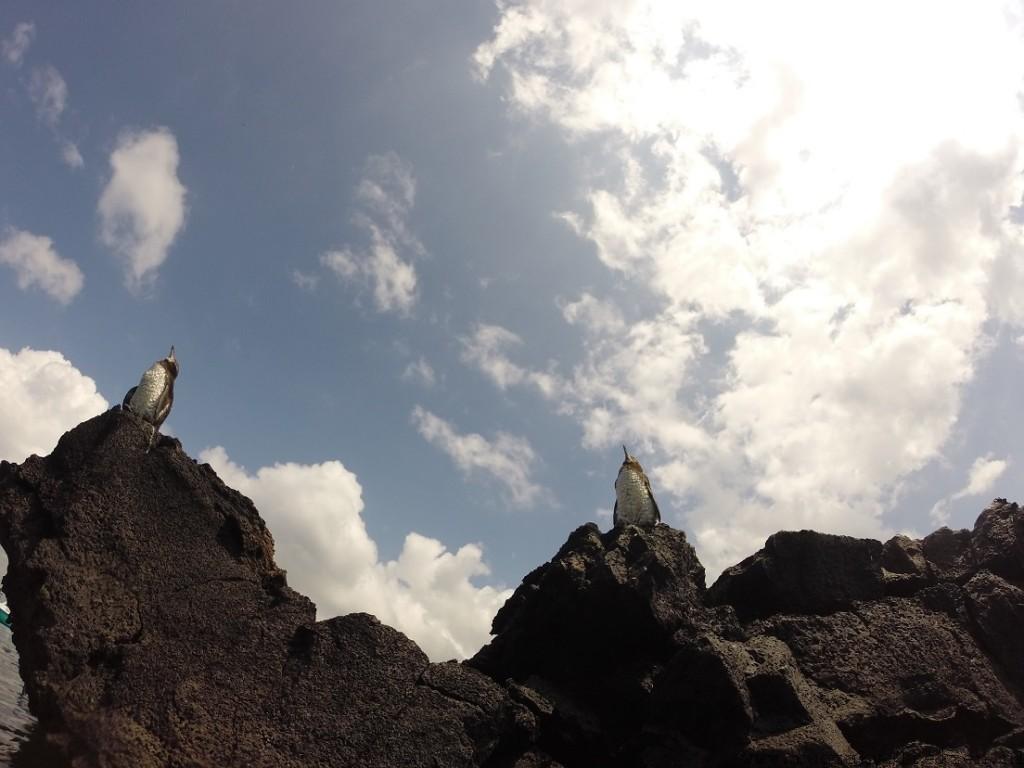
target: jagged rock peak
<point>154,629</point>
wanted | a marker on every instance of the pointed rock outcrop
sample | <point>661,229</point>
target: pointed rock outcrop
<point>154,628</point>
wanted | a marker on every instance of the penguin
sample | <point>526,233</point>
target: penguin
<point>152,399</point>
<point>634,502</point>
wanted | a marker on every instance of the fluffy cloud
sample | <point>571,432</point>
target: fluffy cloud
<point>16,46</point>
<point>142,208</point>
<point>44,395</point>
<point>49,94</point>
<point>982,476</point>
<point>315,514</point>
<point>507,460</point>
<point>36,262</point>
<point>70,155</point>
<point>386,194</point>
<point>824,235</point>
<point>984,472</point>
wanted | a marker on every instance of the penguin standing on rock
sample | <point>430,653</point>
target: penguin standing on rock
<point>634,502</point>
<point>152,399</point>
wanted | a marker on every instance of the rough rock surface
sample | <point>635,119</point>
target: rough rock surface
<point>802,572</point>
<point>818,650</point>
<point>154,629</point>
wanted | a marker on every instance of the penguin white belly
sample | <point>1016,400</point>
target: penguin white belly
<point>150,393</point>
<point>635,505</point>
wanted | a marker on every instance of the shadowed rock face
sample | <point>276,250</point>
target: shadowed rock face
<point>818,650</point>
<point>802,572</point>
<point>154,629</point>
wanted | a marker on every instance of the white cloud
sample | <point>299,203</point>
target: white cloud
<point>70,155</point>
<point>984,473</point>
<point>486,350</point>
<point>16,46</point>
<point>594,315</point>
<point>49,94</point>
<point>36,262</point>
<point>420,370</point>
<point>304,280</point>
<point>394,280</point>
<point>627,386</point>
<point>386,194</point>
<point>507,460</point>
<point>142,208</point>
<point>44,395</point>
<point>388,189</point>
<point>344,263</point>
<point>315,515</point>
<point>939,513</point>
<point>824,234</point>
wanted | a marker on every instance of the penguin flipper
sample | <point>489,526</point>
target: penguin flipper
<point>126,404</point>
<point>615,515</point>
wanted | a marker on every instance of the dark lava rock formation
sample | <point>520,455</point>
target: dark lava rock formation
<point>154,629</point>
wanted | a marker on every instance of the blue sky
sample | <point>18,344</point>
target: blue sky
<point>427,267</point>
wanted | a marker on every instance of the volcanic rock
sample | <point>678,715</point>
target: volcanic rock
<point>802,572</point>
<point>799,655</point>
<point>155,629</point>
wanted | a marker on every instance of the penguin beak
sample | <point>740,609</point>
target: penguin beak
<point>170,355</point>
<point>626,453</point>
